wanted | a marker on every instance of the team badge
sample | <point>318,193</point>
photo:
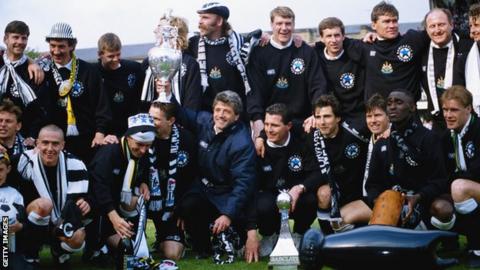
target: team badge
<point>77,89</point>
<point>182,159</point>
<point>131,79</point>
<point>183,70</point>
<point>404,53</point>
<point>295,163</point>
<point>215,73</point>
<point>282,83</point>
<point>440,83</point>
<point>387,68</point>
<point>347,80</point>
<point>297,66</point>
<point>373,53</point>
<point>271,71</point>
<point>470,149</point>
<point>352,150</point>
<point>118,97</point>
<point>230,59</point>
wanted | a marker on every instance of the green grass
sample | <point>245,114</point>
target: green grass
<point>190,263</point>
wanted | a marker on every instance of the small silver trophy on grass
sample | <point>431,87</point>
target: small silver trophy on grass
<point>165,58</point>
<point>284,256</point>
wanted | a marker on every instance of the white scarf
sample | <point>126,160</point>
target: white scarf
<point>457,141</point>
<point>8,70</point>
<point>31,167</point>
<point>472,75</point>
<point>367,165</point>
<point>126,193</point>
<point>431,72</point>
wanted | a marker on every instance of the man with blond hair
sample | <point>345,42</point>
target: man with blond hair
<point>282,73</point>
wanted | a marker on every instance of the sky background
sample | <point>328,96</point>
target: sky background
<point>134,20</point>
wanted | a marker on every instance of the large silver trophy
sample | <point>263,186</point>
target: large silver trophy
<point>165,58</point>
<point>285,255</point>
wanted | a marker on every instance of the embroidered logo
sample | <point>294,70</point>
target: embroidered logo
<point>77,89</point>
<point>131,79</point>
<point>267,168</point>
<point>203,144</point>
<point>183,70</point>
<point>295,163</point>
<point>404,53</point>
<point>352,150</point>
<point>347,80</point>
<point>282,83</point>
<point>280,183</point>
<point>387,68</point>
<point>118,97</point>
<point>297,66</point>
<point>271,71</point>
<point>215,73</point>
<point>182,159</point>
<point>373,53</point>
<point>470,149</point>
<point>62,102</point>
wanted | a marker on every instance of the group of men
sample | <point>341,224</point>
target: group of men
<point>334,124</point>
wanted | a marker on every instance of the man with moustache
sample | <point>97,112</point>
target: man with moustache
<point>411,157</point>
<point>76,100</point>
<point>345,77</point>
<point>461,141</point>
<point>221,53</point>
<point>280,72</point>
<point>440,60</point>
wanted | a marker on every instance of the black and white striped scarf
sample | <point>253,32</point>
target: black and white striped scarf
<point>410,154</point>
<point>236,42</point>
<point>156,193</point>
<point>72,178</point>
<point>324,163</point>
<point>18,84</point>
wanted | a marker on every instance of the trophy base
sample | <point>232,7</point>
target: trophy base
<point>284,263</point>
<point>282,267</point>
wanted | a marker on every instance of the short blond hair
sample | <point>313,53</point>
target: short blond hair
<point>282,11</point>
<point>109,42</point>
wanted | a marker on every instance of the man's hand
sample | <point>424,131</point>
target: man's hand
<point>84,206</point>
<point>295,192</point>
<point>370,37</point>
<point>98,139</point>
<point>297,40</point>
<point>30,142</point>
<point>110,139</point>
<point>308,124</point>
<point>264,40</point>
<point>251,247</point>
<point>16,227</point>
<point>412,202</point>
<point>144,191</point>
<point>35,72</point>
<point>260,147</point>
<point>257,127</point>
<point>122,227</point>
<point>221,224</point>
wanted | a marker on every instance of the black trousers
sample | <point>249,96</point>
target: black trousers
<point>268,216</point>
<point>198,213</point>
